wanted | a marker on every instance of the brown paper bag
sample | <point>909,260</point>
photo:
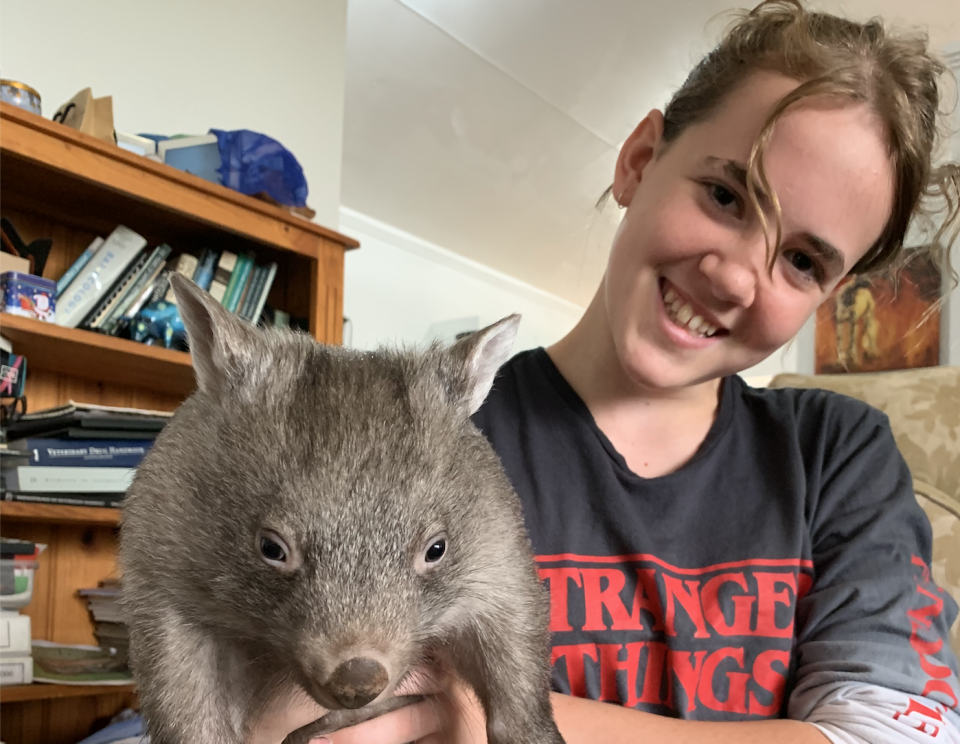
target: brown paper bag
<point>93,116</point>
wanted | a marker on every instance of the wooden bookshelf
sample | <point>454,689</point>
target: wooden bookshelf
<point>94,356</point>
<point>18,511</point>
<point>67,186</point>
<point>41,691</point>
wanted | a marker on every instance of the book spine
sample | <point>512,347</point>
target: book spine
<point>239,282</point>
<point>85,453</point>
<point>253,292</point>
<point>268,282</point>
<point>100,272</point>
<point>91,499</point>
<point>187,266</point>
<point>203,276</point>
<point>34,479</point>
<point>222,276</point>
<point>109,298</point>
<point>150,272</point>
<point>244,302</point>
<point>64,281</point>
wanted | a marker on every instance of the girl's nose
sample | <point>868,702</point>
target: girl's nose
<point>731,281</point>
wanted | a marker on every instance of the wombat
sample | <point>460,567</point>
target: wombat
<point>322,520</point>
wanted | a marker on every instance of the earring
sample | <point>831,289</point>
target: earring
<point>620,204</point>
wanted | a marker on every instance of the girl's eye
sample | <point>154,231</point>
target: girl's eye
<point>804,264</point>
<point>723,197</point>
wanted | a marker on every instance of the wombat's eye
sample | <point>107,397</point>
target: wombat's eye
<point>435,552</point>
<point>274,550</point>
<point>431,553</point>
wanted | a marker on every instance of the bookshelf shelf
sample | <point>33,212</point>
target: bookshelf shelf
<point>94,356</point>
<point>40,691</point>
<point>58,514</point>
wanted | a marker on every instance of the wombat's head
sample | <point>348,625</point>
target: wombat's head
<point>335,509</point>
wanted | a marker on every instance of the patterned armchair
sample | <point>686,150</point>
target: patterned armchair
<point>924,410</point>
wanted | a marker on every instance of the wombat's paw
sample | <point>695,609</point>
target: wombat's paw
<point>339,719</point>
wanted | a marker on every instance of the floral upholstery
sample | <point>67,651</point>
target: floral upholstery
<point>924,410</point>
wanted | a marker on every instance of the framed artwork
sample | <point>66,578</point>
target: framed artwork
<point>884,322</point>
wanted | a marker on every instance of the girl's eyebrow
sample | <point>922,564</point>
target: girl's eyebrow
<point>737,172</point>
<point>826,251</point>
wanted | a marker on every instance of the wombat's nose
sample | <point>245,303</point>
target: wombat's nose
<point>357,681</point>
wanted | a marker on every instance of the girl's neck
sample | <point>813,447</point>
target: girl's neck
<point>656,430</point>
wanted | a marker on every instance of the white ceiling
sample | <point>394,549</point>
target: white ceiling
<point>490,127</point>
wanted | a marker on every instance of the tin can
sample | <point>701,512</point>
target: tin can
<point>20,94</point>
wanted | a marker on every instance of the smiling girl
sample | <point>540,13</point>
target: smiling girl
<point>727,564</point>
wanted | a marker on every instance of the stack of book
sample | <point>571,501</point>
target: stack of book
<point>109,626</point>
<point>114,279</point>
<point>77,454</point>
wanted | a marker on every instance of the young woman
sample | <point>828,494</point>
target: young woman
<point>729,564</point>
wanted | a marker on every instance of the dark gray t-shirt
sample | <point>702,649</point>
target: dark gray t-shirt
<point>783,566</point>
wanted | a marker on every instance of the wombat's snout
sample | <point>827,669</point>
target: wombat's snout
<point>357,681</point>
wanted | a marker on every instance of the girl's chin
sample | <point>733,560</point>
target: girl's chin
<point>648,366</point>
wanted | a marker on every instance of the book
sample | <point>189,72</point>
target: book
<point>244,291</point>
<point>64,664</point>
<point>252,296</point>
<point>238,282</point>
<point>93,420</point>
<point>223,275</point>
<point>109,298</point>
<point>64,281</point>
<point>267,283</point>
<point>60,479</point>
<point>150,272</point>
<point>99,500</point>
<point>241,276</point>
<point>186,265</point>
<point>14,634</point>
<point>98,275</point>
<point>85,452</point>
<point>203,276</point>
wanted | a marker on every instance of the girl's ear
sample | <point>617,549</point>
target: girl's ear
<point>637,151</point>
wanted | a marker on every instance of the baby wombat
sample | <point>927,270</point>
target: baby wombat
<point>324,520</point>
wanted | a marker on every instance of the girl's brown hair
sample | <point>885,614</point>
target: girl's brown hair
<point>894,74</point>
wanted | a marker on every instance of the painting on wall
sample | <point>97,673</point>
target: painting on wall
<point>884,322</point>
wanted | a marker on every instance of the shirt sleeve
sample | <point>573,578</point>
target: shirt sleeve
<point>873,661</point>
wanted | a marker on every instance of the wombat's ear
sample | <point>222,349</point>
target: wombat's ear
<point>221,344</point>
<point>476,359</point>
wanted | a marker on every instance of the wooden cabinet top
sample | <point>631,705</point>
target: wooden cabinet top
<point>48,162</point>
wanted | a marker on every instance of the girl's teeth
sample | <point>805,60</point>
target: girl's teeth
<point>683,315</point>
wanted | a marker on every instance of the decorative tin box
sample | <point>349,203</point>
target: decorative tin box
<point>29,295</point>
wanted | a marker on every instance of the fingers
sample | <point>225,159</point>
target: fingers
<point>412,723</point>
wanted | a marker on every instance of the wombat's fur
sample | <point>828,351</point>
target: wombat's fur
<point>356,461</point>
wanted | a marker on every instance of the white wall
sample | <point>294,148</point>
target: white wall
<point>178,66</point>
<point>400,289</point>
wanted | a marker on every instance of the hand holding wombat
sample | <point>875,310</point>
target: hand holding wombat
<point>326,520</point>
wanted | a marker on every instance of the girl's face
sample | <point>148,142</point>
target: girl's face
<point>688,294</point>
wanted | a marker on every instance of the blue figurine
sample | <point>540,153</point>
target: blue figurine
<point>158,322</point>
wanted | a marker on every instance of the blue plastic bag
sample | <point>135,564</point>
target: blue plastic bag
<point>252,163</point>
